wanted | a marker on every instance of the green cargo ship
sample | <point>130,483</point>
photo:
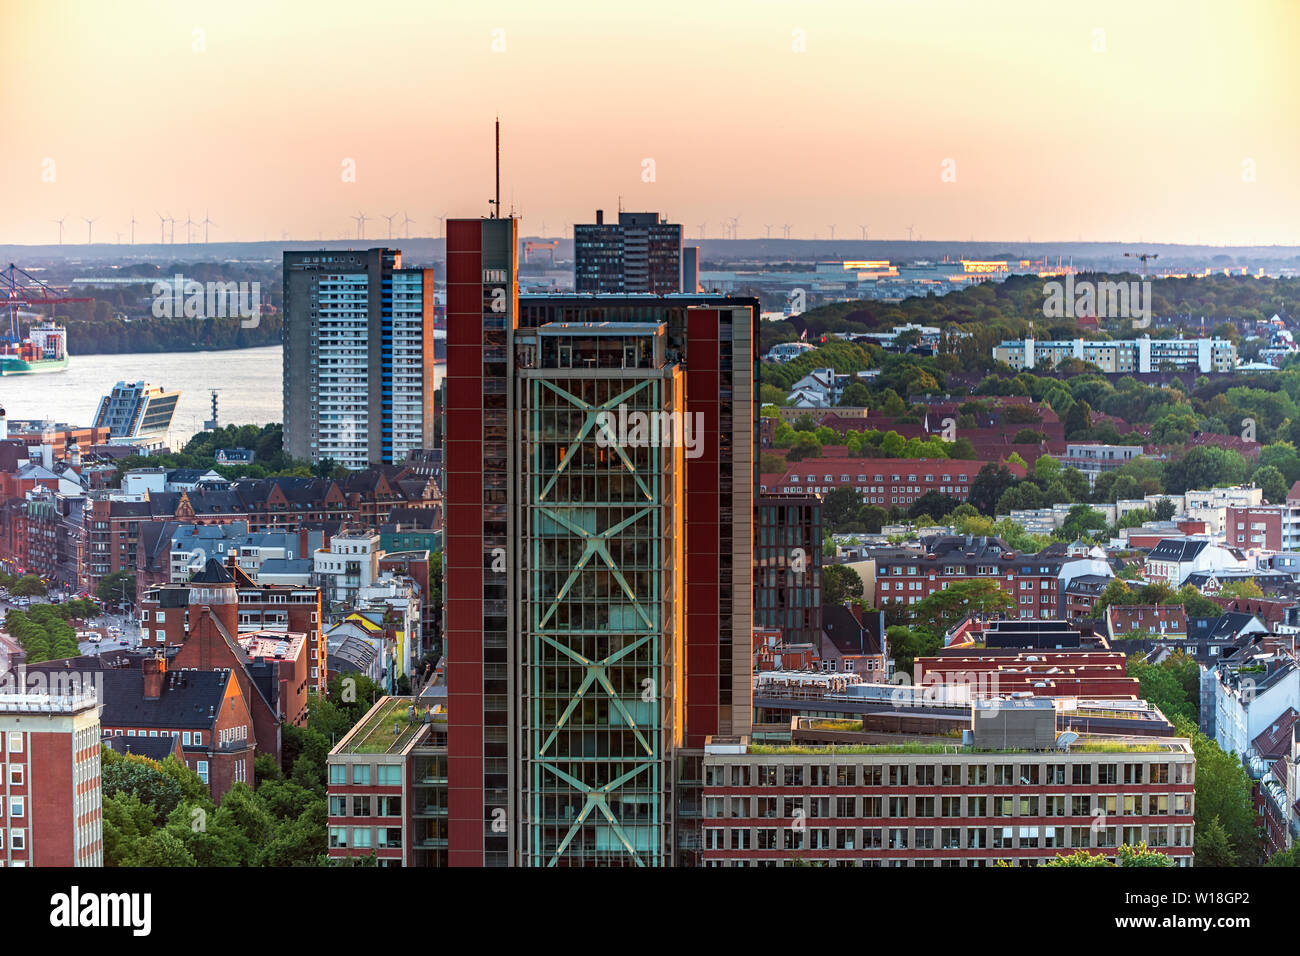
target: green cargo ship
<point>44,350</point>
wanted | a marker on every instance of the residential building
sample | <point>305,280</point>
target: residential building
<point>1037,583</point>
<point>349,564</point>
<point>784,352</point>
<point>49,779</point>
<point>170,614</point>
<point>357,330</point>
<point>1157,620</point>
<point>388,791</point>
<point>137,412</point>
<point>1094,458</point>
<point>1121,356</point>
<point>206,709</point>
<point>887,482</point>
<point>1013,788</point>
<point>1249,696</point>
<point>1174,560</point>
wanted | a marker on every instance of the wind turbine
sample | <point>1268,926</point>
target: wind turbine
<point>188,224</point>
<point>786,227</point>
<point>390,223</point>
<point>133,227</point>
<point>90,229</point>
<point>60,222</point>
<point>864,232</point>
<point>832,225</point>
<point>702,225</point>
<point>205,224</point>
<point>162,227</point>
<point>909,233</point>
<point>735,227</point>
<point>360,220</point>
<point>406,224</point>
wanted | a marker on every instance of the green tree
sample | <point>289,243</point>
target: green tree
<point>29,585</point>
<point>841,584</point>
<point>941,609</point>
<point>116,588</point>
<point>1271,482</point>
<point>1223,795</point>
<point>1243,588</point>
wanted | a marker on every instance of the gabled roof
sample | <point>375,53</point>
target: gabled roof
<point>189,698</point>
<point>842,629</point>
<point>155,748</point>
<point>1176,549</point>
<point>1275,740</point>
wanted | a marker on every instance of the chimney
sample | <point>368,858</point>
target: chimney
<point>600,217</point>
<point>154,669</point>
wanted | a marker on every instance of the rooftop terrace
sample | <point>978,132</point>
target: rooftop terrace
<point>387,729</point>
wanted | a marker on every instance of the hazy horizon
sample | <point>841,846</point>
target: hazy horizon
<point>1171,122</point>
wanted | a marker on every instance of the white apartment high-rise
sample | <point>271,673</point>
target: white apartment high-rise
<point>357,330</point>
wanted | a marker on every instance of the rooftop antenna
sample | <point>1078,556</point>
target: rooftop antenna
<point>496,202</point>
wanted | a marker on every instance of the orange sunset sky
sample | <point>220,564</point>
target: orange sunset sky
<point>1163,120</point>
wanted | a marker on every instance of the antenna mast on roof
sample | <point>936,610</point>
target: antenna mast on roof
<point>496,202</point>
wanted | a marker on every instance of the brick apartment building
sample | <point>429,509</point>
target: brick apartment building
<point>49,780</point>
<point>168,611</point>
<point>113,526</point>
<point>388,786</point>
<point>887,482</point>
<point>206,710</point>
<point>1038,583</point>
<point>1256,529</point>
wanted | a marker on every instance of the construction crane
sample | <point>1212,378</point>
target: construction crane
<point>1144,256</point>
<point>537,245</point>
<point>19,288</point>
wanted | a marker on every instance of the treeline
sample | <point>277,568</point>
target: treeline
<point>267,441</point>
<point>1006,308</point>
<point>44,632</point>
<point>102,334</point>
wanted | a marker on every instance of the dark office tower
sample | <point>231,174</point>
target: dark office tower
<point>598,565</point>
<point>788,592</point>
<point>639,254</point>
<point>357,386</point>
<point>690,269</point>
